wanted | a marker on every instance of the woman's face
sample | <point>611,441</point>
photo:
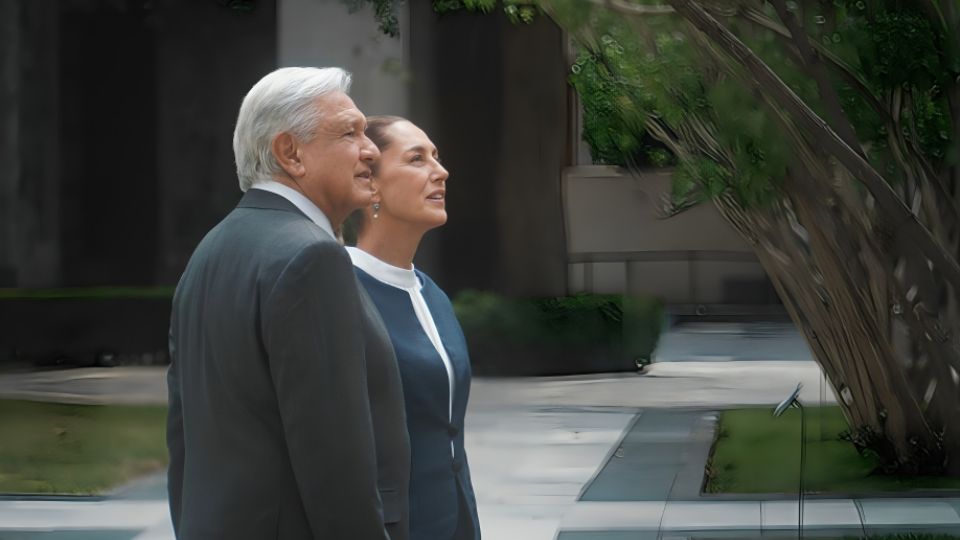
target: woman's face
<point>409,179</point>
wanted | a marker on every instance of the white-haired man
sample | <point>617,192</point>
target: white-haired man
<point>286,411</point>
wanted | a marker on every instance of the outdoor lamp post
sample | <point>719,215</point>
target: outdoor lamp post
<point>794,401</point>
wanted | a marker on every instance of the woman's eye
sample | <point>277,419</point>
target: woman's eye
<point>417,157</point>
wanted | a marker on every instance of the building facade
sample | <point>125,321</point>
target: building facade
<point>116,119</point>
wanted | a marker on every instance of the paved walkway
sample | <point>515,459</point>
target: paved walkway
<point>92,386</point>
<point>568,458</point>
<point>836,518</point>
<point>720,342</point>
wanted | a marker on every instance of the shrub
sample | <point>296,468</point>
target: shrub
<point>573,334</point>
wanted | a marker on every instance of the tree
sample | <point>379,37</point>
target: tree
<point>826,133</point>
<point>385,11</point>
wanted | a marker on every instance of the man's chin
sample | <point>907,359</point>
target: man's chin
<point>363,182</point>
<point>362,199</point>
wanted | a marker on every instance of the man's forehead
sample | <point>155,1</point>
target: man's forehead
<point>339,106</point>
<point>348,116</point>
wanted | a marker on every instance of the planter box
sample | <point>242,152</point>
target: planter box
<point>538,361</point>
<point>84,331</point>
<point>558,336</point>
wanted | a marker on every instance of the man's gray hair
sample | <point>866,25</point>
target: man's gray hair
<point>283,101</point>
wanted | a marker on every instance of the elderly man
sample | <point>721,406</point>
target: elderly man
<point>286,411</point>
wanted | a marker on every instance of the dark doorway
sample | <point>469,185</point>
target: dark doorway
<point>108,199</point>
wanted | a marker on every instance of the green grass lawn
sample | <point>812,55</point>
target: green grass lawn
<point>77,449</point>
<point>757,453</point>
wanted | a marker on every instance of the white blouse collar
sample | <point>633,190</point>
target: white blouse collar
<point>402,278</point>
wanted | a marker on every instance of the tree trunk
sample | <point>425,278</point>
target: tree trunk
<point>867,269</point>
<point>869,339</point>
<point>873,291</point>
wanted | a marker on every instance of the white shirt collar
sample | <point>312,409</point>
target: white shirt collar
<point>302,203</point>
<point>402,278</point>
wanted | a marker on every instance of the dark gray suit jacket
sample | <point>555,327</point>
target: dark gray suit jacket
<point>286,409</point>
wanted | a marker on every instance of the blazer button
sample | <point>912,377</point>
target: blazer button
<point>457,465</point>
<point>452,430</point>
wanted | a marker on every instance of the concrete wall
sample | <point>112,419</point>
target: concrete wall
<point>324,33</point>
<point>618,242</point>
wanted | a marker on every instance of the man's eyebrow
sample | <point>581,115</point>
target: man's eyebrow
<point>342,124</point>
<point>349,118</point>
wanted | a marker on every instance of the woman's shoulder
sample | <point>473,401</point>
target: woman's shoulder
<point>430,286</point>
<point>426,280</point>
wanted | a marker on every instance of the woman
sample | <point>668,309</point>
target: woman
<point>409,199</point>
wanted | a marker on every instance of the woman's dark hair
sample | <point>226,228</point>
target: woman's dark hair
<point>377,132</point>
<point>377,129</point>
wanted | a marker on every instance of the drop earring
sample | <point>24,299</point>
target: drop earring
<point>376,210</point>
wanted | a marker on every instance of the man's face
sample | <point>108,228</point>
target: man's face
<point>337,161</point>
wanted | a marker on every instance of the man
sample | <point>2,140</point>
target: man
<point>286,412</point>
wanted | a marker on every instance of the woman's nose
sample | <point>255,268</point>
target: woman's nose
<point>441,174</point>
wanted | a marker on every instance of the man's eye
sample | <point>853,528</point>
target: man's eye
<point>417,157</point>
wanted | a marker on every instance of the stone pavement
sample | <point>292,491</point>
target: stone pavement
<point>90,386</point>
<point>835,518</point>
<point>593,457</point>
<point>532,443</point>
<point>719,342</point>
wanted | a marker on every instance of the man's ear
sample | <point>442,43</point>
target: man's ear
<point>286,150</point>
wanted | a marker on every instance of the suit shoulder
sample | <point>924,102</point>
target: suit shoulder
<point>287,225</point>
<point>278,233</point>
<point>275,241</point>
<point>321,255</point>
<point>326,249</point>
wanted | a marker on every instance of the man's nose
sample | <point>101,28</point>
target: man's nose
<point>369,150</point>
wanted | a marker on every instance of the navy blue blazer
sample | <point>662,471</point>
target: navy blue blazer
<point>442,501</point>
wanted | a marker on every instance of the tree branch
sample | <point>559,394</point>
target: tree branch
<point>843,70</point>
<point>822,137</point>
<point>628,8</point>
<point>815,68</point>
<point>846,73</point>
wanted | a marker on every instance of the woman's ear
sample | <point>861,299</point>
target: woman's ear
<point>286,150</point>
